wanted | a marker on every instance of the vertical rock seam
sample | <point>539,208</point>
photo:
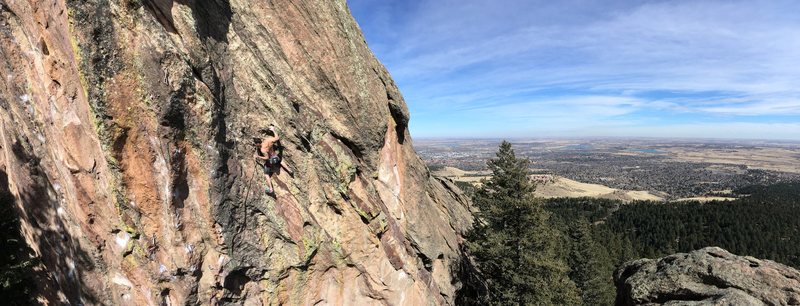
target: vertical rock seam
<point>127,131</point>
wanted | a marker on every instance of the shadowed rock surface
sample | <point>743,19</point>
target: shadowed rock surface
<point>126,130</point>
<point>709,276</point>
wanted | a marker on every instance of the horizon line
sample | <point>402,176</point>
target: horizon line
<point>796,141</point>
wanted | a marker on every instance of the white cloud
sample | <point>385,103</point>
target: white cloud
<point>731,130</point>
<point>595,61</point>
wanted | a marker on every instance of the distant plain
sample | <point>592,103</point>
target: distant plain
<point>625,169</point>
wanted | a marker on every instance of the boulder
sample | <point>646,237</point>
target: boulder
<point>709,276</point>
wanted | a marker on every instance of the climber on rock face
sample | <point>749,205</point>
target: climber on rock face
<point>272,161</point>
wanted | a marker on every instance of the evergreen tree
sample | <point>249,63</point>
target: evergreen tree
<point>591,266</point>
<point>764,224</point>
<point>16,258</point>
<point>512,242</point>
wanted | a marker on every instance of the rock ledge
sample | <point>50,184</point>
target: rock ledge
<point>709,276</point>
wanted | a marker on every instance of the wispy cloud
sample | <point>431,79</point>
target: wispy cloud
<point>733,130</point>
<point>667,61</point>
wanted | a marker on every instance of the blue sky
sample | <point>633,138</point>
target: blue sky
<point>515,68</point>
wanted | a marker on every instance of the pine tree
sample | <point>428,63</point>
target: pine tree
<point>591,266</point>
<point>512,242</point>
<point>16,258</point>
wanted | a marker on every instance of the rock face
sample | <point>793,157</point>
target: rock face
<point>126,133</point>
<point>710,276</point>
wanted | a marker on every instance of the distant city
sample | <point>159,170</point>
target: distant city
<point>666,168</point>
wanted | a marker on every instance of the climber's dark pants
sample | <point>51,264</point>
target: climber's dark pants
<point>269,168</point>
<point>272,164</point>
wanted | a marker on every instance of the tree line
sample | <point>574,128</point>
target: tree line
<point>530,251</point>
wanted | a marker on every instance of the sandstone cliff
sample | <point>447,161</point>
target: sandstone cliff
<point>709,276</point>
<point>126,133</point>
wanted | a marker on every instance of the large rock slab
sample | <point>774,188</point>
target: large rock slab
<point>709,276</point>
<point>126,133</point>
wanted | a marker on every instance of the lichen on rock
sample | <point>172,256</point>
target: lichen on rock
<point>709,276</point>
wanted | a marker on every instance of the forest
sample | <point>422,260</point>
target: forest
<point>763,223</point>
<point>571,246</point>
